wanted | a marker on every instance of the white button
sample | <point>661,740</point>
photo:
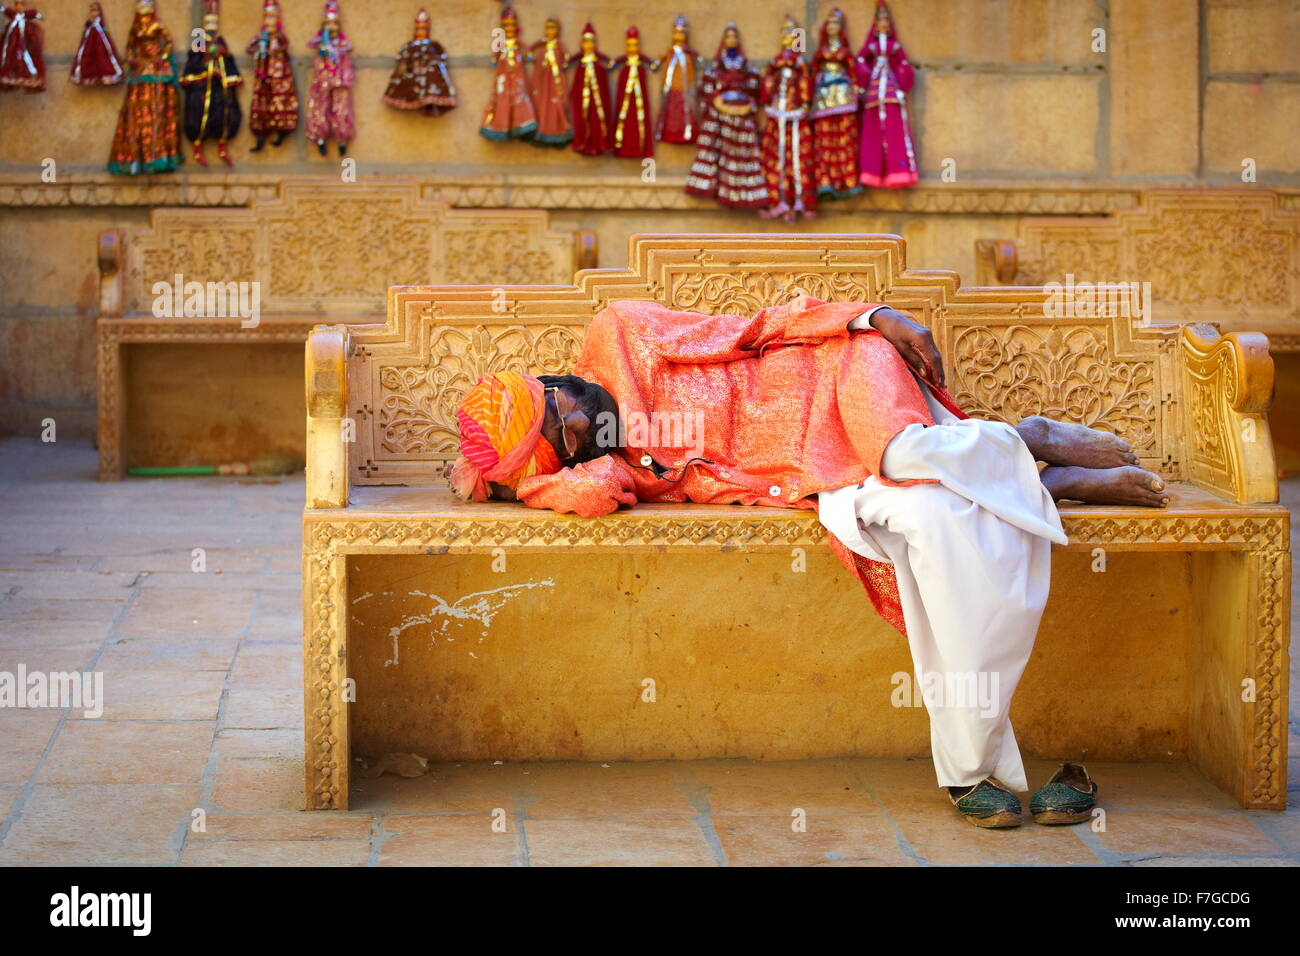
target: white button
<point>774,491</point>
<point>646,460</point>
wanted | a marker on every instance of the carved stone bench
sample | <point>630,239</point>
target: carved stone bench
<point>206,389</point>
<point>497,632</point>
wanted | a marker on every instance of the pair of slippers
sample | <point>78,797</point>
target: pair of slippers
<point>1068,797</point>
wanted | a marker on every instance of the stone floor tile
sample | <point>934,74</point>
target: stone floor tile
<point>825,841</point>
<point>446,788</point>
<point>665,841</point>
<point>84,824</point>
<point>938,835</point>
<point>277,853</point>
<point>274,742</point>
<point>258,783</point>
<point>24,735</point>
<point>1183,834</point>
<point>188,612</point>
<point>288,825</point>
<point>257,709</point>
<point>619,790</point>
<point>129,655</point>
<point>128,751</point>
<point>748,787</point>
<point>161,695</point>
<point>449,840</point>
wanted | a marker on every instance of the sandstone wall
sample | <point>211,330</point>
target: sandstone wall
<point>1010,91</point>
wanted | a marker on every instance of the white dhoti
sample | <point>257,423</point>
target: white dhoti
<point>973,560</point>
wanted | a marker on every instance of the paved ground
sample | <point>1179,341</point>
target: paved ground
<point>204,713</point>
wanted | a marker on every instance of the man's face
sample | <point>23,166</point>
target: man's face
<point>566,426</point>
<point>581,420</point>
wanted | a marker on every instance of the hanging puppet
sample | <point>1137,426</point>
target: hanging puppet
<point>547,89</point>
<point>329,99</point>
<point>589,97</point>
<point>510,112</point>
<point>632,136</point>
<point>211,81</point>
<point>147,139</point>
<point>727,166</point>
<point>274,109</point>
<point>420,78</point>
<point>787,135</point>
<point>887,157</point>
<point>22,50</point>
<point>677,115</point>
<point>835,111</point>
<point>96,62</point>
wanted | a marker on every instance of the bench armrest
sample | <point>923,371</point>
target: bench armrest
<point>328,430</point>
<point>997,261</point>
<point>110,273</point>
<point>1227,391</point>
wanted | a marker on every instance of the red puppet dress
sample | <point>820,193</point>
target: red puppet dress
<point>22,50</point>
<point>727,166</point>
<point>787,135</point>
<point>274,107</point>
<point>632,136</point>
<point>96,62</point>
<point>547,88</point>
<point>887,156</point>
<point>589,98</point>
<point>835,111</point>
<point>677,116</point>
<point>510,113</point>
<point>147,139</point>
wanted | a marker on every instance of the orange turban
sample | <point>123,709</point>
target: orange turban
<point>501,435</point>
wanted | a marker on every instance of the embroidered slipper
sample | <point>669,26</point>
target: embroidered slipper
<point>990,803</point>
<point>1067,798</point>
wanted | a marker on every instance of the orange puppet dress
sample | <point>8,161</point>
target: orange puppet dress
<point>780,406</point>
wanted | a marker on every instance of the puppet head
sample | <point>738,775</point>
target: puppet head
<point>884,22</point>
<point>211,18</point>
<point>633,41</point>
<point>552,28</point>
<point>834,28</point>
<point>332,20</point>
<point>270,14</point>
<point>588,38</point>
<point>509,23</point>
<point>681,31</point>
<point>422,25</point>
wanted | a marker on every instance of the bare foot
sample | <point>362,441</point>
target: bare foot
<point>1069,443</point>
<point>1126,485</point>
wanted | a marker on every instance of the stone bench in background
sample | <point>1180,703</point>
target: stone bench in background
<point>205,389</point>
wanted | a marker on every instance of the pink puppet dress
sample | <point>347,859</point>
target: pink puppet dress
<point>329,98</point>
<point>887,155</point>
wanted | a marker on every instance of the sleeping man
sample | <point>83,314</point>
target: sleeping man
<point>840,407</point>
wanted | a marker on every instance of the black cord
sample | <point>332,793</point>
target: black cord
<point>659,471</point>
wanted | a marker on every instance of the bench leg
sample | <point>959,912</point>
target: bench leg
<point>325,684</point>
<point>1239,672</point>
<point>112,408</point>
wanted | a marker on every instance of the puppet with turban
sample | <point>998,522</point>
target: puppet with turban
<point>501,435</point>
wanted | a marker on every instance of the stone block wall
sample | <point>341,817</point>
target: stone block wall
<point>1033,120</point>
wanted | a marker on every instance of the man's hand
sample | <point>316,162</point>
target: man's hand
<point>913,341</point>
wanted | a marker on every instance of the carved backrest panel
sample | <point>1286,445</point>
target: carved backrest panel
<point>1225,256</point>
<point>336,248</point>
<point>1006,356</point>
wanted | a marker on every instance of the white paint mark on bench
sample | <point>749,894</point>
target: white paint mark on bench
<point>481,606</point>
